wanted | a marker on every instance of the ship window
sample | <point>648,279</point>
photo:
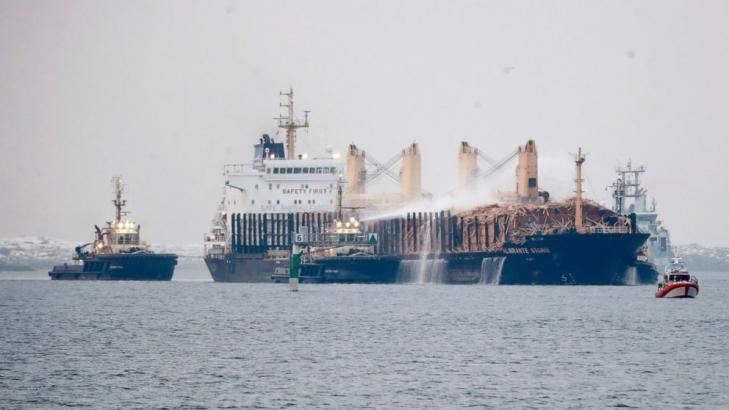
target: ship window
<point>256,186</point>
<point>270,187</point>
<point>253,201</point>
<point>306,170</point>
<point>268,170</point>
<point>333,170</point>
<point>297,170</point>
<point>275,170</point>
<point>318,170</point>
<point>278,202</point>
<point>269,202</point>
<point>278,186</point>
<point>289,170</point>
<point>532,182</point>
<point>312,170</point>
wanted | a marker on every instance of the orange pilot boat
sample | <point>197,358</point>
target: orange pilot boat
<point>677,282</point>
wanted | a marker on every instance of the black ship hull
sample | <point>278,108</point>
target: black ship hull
<point>250,268</point>
<point>570,258</point>
<point>133,266</point>
<point>353,269</point>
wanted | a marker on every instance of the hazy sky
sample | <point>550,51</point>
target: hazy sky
<point>165,93</point>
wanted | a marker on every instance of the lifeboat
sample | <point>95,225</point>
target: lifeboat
<point>677,282</point>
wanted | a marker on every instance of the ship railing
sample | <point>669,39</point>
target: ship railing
<point>608,229</point>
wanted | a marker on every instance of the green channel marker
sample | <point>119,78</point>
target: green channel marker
<point>294,269</point>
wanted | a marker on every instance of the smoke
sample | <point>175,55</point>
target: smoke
<point>480,193</point>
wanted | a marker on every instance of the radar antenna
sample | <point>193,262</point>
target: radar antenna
<point>290,124</point>
<point>118,201</point>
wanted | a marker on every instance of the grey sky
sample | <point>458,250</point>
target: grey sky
<point>165,93</point>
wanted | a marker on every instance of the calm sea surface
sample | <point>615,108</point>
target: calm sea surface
<point>193,344</point>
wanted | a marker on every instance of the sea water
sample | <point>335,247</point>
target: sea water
<point>190,343</point>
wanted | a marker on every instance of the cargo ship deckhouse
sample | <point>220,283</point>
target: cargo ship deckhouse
<point>261,197</point>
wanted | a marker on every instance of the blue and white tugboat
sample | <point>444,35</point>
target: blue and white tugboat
<point>117,253</point>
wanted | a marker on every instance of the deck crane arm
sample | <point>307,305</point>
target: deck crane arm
<point>497,166</point>
<point>383,169</point>
<point>486,158</point>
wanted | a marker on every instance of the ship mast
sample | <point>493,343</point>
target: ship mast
<point>290,124</point>
<point>118,201</point>
<point>628,186</point>
<point>579,160</point>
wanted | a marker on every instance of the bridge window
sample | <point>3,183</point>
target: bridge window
<point>306,170</point>
<point>297,170</point>
<point>312,170</point>
<point>275,170</point>
<point>268,170</point>
<point>289,170</point>
<point>333,170</point>
<point>318,170</point>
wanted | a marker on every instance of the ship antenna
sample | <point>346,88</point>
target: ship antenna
<point>290,124</point>
<point>579,160</point>
<point>118,201</point>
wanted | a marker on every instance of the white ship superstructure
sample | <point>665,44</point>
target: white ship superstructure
<point>277,181</point>
<point>282,185</point>
<point>631,197</point>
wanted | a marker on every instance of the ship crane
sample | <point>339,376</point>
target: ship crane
<point>497,165</point>
<point>383,168</point>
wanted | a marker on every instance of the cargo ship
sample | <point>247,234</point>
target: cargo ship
<point>117,253</point>
<point>525,238</point>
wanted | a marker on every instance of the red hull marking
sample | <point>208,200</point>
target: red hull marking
<point>664,291</point>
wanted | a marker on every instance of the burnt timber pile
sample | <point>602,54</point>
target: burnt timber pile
<point>517,243</point>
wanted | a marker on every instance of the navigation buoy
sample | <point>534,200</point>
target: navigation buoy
<point>294,268</point>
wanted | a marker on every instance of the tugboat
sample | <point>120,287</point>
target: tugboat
<point>117,252</point>
<point>677,282</point>
<point>344,253</point>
